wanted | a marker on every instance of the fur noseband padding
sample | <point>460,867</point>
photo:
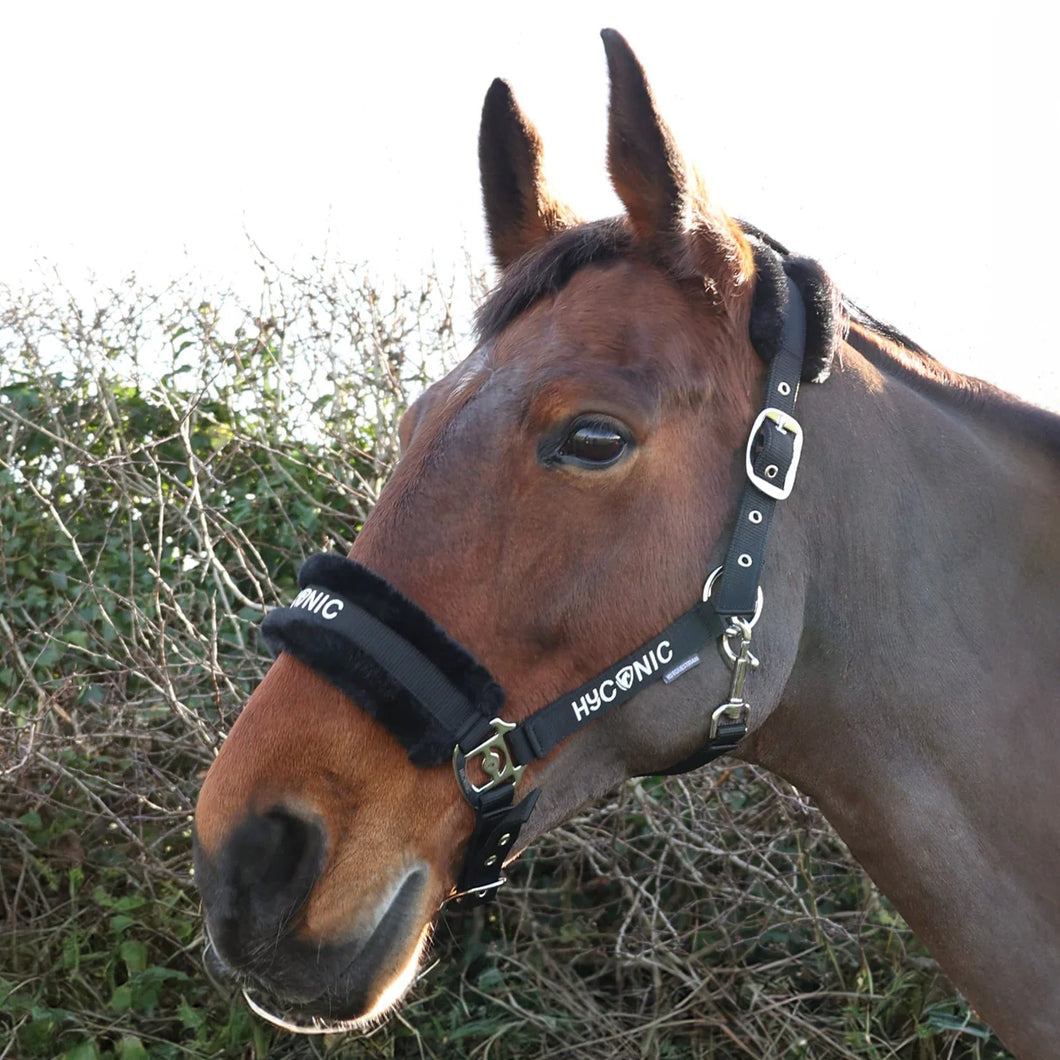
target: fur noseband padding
<point>353,670</point>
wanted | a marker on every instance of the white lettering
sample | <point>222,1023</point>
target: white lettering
<point>607,691</point>
<point>307,599</point>
<point>319,603</point>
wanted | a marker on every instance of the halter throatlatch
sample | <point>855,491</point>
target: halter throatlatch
<point>362,635</point>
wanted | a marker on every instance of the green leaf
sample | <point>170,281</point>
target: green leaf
<point>120,922</point>
<point>122,998</point>
<point>71,951</point>
<point>82,1051</point>
<point>131,1048</point>
<point>31,821</point>
<point>93,694</point>
<point>128,903</point>
<point>134,954</point>
<point>490,979</point>
<point>190,1017</point>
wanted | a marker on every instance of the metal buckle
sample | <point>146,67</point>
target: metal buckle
<point>478,893</point>
<point>708,588</point>
<point>497,762</point>
<point>787,424</point>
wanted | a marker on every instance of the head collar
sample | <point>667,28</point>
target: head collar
<point>362,635</point>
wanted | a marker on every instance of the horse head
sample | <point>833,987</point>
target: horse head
<point>560,497</point>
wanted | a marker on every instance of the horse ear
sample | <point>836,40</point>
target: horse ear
<point>664,197</point>
<point>520,212</point>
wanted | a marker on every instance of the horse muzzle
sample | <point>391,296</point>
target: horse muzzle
<point>260,933</point>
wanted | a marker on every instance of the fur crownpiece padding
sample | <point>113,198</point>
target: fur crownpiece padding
<point>826,323</point>
<point>352,669</point>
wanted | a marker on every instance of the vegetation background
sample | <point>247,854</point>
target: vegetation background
<point>167,459</point>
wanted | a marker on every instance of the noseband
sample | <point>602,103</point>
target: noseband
<point>362,635</point>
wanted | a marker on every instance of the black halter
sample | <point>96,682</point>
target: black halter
<point>361,634</point>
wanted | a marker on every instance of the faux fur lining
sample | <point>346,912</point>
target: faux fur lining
<point>826,322</point>
<point>354,671</point>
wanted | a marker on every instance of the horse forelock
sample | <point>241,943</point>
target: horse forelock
<point>547,269</point>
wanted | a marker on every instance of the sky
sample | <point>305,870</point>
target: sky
<point>909,147</point>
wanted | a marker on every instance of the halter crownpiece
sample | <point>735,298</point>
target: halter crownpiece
<point>361,634</point>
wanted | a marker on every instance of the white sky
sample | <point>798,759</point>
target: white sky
<point>907,146</point>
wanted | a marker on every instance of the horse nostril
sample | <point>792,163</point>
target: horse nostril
<point>274,859</point>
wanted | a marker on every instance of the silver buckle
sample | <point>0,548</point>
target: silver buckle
<point>475,892</point>
<point>497,762</point>
<point>788,425</point>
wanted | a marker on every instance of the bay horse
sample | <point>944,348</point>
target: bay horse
<point>560,498</point>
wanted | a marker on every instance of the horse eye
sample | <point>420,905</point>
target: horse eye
<point>594,444</point>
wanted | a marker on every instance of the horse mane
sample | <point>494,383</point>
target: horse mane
<point>883,346</point>
<point>832,319</point>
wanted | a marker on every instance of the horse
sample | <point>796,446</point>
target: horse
<point>624,425</point>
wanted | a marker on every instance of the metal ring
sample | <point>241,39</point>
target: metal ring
<point>772,471</point>
<point>783,388</point>
<point>744,560</point>
<point>754,515</point>
<point>708,588</point>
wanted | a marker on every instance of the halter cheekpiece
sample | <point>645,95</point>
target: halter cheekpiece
<point>398,664</point>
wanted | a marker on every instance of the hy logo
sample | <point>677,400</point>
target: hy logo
<point>319,603</point>
<point>632,674</point>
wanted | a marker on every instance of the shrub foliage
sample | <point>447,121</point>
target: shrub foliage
<point>166,460</point>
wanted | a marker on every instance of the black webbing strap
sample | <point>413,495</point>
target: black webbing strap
<point>497,827</point>
<point>773,450</point>
<point>667,656</point>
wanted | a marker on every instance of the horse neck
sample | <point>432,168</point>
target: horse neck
<point>921,710</point>
<point>932,509</point>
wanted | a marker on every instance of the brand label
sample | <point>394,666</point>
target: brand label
<point>318,602</point>
<point>681,668</point>
<point>630,675</point>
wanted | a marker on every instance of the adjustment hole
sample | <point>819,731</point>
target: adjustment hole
<point>491,860</point>
<point>772,471</point>
<point>784,388</point>
<point>755,516</point>
<point>744,560</point>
